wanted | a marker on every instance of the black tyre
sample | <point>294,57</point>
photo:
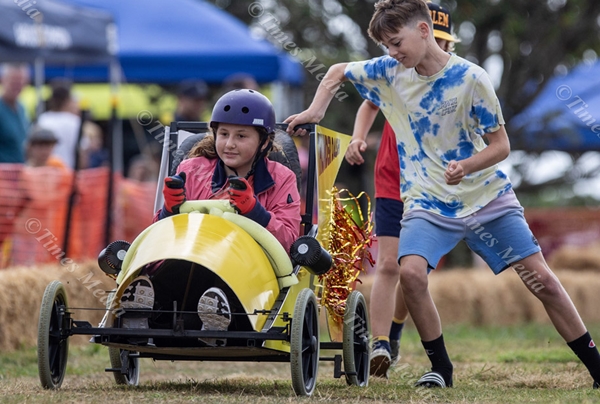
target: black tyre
<point>304,343</point>
<point>117,358</point>
<point>53,346</point>
<point>356,340</point>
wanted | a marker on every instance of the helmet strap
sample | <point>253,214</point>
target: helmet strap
<point>261,153</point>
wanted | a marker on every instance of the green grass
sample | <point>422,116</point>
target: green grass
<point>518,364</point>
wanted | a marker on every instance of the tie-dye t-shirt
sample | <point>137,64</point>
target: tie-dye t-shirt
<point>436,119</point>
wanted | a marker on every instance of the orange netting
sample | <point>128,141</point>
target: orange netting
<point>34,207</point>
<point>34,204</point>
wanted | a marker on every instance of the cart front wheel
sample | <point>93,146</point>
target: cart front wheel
<point>304,343</point>
<point>130,374</point>
<point>356,340</point>
<point>53,346</point>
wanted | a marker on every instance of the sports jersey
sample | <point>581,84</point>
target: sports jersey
<point>387,166</point>
<point>436,119</point>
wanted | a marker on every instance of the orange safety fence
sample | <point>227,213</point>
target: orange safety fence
<point>34,205</point>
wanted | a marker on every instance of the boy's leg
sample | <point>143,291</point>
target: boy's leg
<point>413,272</point>
<point>425,239</point>
<point>415,283</point>
<point>400,311</point>
<point>381,305</point>
<point>400,316</point>
<point>541,281</point>
<point>508,240</point>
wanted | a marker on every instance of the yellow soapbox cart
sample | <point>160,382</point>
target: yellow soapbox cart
<point>275,301</point>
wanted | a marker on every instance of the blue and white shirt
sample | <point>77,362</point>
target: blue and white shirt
<point>436,119</point>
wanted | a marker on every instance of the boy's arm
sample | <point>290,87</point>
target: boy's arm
<point>325,92</point>
<point>496,151</point>
<point>364,120</point>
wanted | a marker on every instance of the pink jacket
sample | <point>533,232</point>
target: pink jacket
<point>274,186</point>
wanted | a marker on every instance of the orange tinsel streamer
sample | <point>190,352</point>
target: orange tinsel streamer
<point>348,242</point>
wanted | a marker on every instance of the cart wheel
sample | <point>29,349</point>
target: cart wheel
<point>356,340</point>
<point>304,341</point>
<point>117,358</point>
<point>53,347</point>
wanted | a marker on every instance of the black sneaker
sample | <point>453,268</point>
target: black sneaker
<point>380,359</point>
<point>596,385</point>
<point>395,351</point>
<point>432,379</point>
<point>214,311</point>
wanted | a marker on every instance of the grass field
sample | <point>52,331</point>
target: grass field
<point>517,364</point>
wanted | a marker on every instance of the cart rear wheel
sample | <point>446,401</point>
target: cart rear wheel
<point>356,340</point>
<point>53,346</point>
<point>304,343</point>
<point>117,358</point>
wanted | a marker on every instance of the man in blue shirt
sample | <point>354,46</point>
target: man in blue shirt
<point>13,120</point>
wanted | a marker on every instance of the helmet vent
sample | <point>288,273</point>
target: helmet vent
<point>245,110</point>
<point>227,108</point>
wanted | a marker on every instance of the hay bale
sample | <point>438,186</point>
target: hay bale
<point>21,291</point>
<point>576,258</point>
<point>477,297</point>
<point>583,287</point>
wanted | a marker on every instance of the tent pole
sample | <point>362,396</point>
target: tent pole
<point>115,147</point>
<point>115,80</point>
<point>39,79</point>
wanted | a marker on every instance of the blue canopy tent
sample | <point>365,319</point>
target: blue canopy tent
<point>51,32</point>
<point>166,42</point>
<point>564,116</point>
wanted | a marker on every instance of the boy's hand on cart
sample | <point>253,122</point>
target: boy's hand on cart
<point>241,195</point>
<point>355,150</point>
<point>454,173</point>
<point>174,192</point>
<point>299,119</point>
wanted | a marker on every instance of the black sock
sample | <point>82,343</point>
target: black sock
<point>396,330</point>
<point>440,362</point>
<point>586,351</point>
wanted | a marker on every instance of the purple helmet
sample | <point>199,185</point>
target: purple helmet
<point>244,107</point>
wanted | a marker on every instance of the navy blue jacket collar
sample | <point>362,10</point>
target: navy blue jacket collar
<point>262,177</point>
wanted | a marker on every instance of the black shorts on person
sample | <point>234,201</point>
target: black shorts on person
<point>388,214</point>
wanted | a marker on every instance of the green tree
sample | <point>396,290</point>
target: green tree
<point>522,43</point>
<point>531,40</point>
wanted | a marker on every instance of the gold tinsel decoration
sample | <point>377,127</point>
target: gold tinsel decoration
<point>348,246</point>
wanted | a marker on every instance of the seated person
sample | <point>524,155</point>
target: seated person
<point>243,130</point>
<point>39,147</point>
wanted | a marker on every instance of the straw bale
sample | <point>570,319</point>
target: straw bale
<point>576,258</point>
<point>468,296</point>
<point>21,291</point>
<point>478,297</point>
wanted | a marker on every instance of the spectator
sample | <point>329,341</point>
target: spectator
<point>240,81</point>
<point>142,168</point>
<point>13,120</point>
<point>93,154</point>
<point>63,119</point>
<point>191,100</point>
<point>40,145</point>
